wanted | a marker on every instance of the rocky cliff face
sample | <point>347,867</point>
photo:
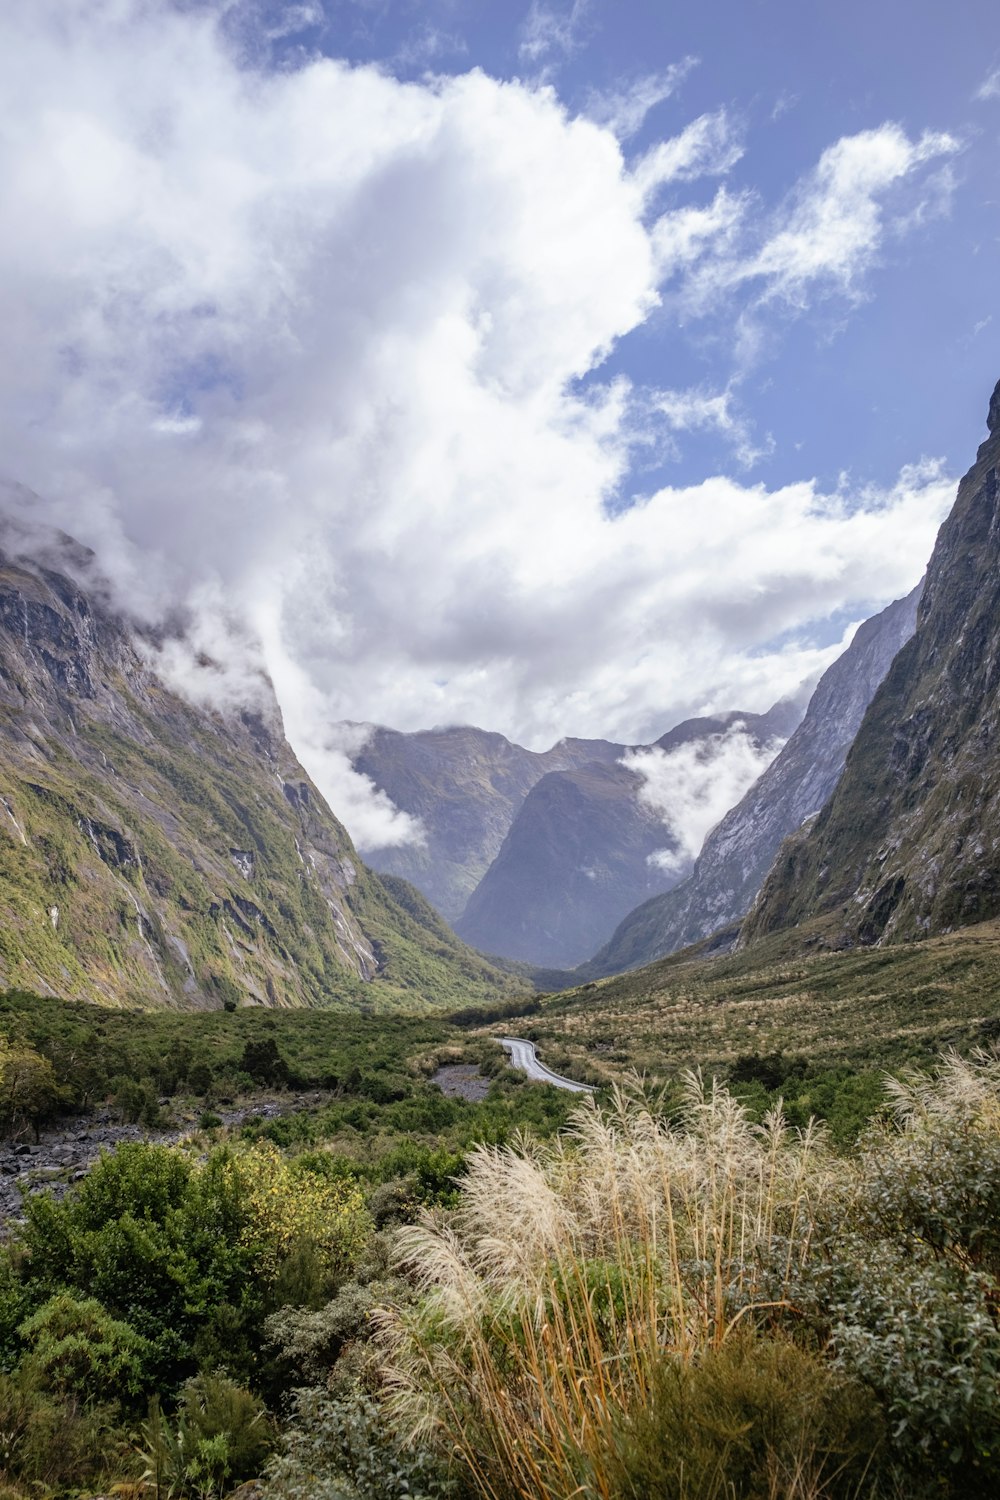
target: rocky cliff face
<point>466,786</point>
<point>739,851</point>
<point>155,853</point>
<point>910,841</point>
<point>577,856</point>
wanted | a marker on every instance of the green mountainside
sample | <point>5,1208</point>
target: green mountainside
<point>160,854</point>
<point>909,843</point>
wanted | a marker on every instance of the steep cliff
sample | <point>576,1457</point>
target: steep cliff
<point>909,843</point>
<point>739,851</point>
<point>157,853</point>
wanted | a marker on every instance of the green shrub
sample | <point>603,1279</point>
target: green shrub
<point>49,1443</point>
<point>75,1347</point>
<point>341,1448</point>
<point>753,1418</point>
<point>220,1436</point>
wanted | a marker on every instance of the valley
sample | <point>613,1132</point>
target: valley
<point>690,1105</point>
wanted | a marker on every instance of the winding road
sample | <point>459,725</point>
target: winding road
<point>524,1057</point>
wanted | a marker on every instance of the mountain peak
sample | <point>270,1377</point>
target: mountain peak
<point>993,416</point>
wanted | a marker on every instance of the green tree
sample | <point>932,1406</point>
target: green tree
<point>30,1093</point>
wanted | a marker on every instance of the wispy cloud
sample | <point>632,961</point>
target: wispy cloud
<point>551,33</point>
<point>427,45</point>
<point>624,109</point>
<point>834,224</point>
<point>292,19</point>
<point>708,147</point>
<point>990,86</point>
<point>699,410</point>
<point>829,233</point>
<point>681,236</point>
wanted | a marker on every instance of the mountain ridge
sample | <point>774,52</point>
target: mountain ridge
<point>908,844</point>
<point>738,852</point>
<point>156,853</point>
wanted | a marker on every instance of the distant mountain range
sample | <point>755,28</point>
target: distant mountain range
<point>581,851</point>
<point>153,852</point>
<point>909,842</point>
<point>466,786</point>
<point>536,856</point>
<point>156,853</point>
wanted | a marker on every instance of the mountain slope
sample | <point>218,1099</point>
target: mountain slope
<point>155,853</point>
<point>739,851</point>
<point>909,843</point>
<point>577,856</point>
<point>466,786</point>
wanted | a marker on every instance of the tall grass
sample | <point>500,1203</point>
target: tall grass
<point>572,1271</point>
<point>702,1308</point>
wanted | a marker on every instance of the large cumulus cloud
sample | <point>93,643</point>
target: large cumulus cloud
<point>303,352</point>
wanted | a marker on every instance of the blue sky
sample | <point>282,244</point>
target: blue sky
<point>866,387</point>
<point>562,368</point>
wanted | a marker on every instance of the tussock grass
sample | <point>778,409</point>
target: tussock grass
<point>571,1270</point>
<point>699,1307</point>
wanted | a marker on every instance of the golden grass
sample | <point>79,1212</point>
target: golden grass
<point>867,1007</point>
<point>571,1269</point>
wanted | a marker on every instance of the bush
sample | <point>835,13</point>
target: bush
<point>341,1448</point>
<point>704,1306</point>
<point>75,1347</point>
<point>755,1417</point>
<point>49,1443</point>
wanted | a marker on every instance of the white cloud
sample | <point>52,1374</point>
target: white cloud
<point>684,235</point>
<point>990,87</point>
<point>290,20</point>
<point>550,31</point>
<point>831,229</point>
<point>692,787</point>
<point>425,45</point>
<point>699,410</point>
<point>708,147</point>
<point>624,109</point>
<point>299,352</point>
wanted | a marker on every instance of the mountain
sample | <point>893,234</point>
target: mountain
<point>909,844</point>
<point>153,852</point>
<point>740,850</point>
<point>466,786</point>
<point>578,854</point>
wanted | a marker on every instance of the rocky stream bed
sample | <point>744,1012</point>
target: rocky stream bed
<point>64,1154</point>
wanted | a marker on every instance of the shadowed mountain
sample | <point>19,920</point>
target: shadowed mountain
<point>580,853</point>
<point>466,786</point>
<point>909,843</point>
<point>740,849</point>
<point>156,853</point>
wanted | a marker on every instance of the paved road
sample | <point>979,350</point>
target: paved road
<point>524,1056</point>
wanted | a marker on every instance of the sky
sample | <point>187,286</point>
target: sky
<point>563,368</point>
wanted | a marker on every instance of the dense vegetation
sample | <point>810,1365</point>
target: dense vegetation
<point>360,1288</point>
<point>154,1318</point>
<point>705,1307</point>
